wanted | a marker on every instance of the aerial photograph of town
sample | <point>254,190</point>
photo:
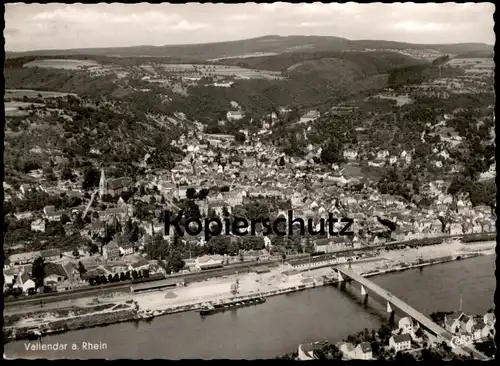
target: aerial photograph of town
<point>249,181</point>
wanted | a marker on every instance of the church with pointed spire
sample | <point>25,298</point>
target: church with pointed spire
<point>114,187</point>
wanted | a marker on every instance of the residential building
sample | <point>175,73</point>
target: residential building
<point>400,342</point>
<point>489,319</point>
<point>38,225</point>
<point>348,350</point>
<point>126,249</point>
<point>72,272</point>
<point>209,261</point>
<point>97,228</point>
<point>23,215</point>
<point>466,323</point>
<point>141,265</point>
<point>309,116</point>
<point>218,207</point>
<point>28,286</point>
<point>452,322</point>
<point>23,258</point>
<point>53,273</point>
<point>111,251</point>
<point>25,188</point>
<point>407,325</point>
<point>306,352</point>
<point>50,254</point>
<point>480,330</point>
<point>234,115</point>
<point>350,154</point>
<point>51,214</point>
<point>9,277</point>
<point>363,351</point>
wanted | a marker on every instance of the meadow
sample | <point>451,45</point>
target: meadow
<point>21,93</point>
<point>220,70</point>
<point>66,64</point>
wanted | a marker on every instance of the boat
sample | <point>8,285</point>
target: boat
<point>217,308</point>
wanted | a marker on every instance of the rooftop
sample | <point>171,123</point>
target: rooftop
<point>402,338</point>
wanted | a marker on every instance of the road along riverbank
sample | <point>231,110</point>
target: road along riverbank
<point>121,307</point>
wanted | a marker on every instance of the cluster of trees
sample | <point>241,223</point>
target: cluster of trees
<point>417,74</point>
<point>37,200</point>
<point>123,276</point>
<point>170,255</point>
<point>91,125</point>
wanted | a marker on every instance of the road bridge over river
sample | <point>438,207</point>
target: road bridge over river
<point>440,332</point>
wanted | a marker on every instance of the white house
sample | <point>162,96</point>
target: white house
<point>381,155</point>
<point>50,254</point>
<point>306,352</point>
<point>455,228</point>
<point>467,323</point>
<point>140,265</point>
<point>407,325</point>
<point>9,277</point>
<point>234,115</point>
<point>267,242</point>
<point>452,322</point>
<point>350,154</point>
<point>480,330</point>
<point>348,350</point>
<point>23,215</point>
<point>181,192</point>
<point>111,251</point>
<point>23,258</point>
<point>489,319</point>
<point>126,249</point>
<point>209,261</point>
<point>29,284</point>
<point>54,273</point>
<point>51,214</point>
<point>364,351</point>
<point>309,116</point>
<point>400,342</point>
<point>38,225</point>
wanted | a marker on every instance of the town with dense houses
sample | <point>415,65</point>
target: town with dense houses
<point>114,157</point>
<point>119,220</point>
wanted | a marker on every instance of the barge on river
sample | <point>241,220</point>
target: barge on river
<point>217,308</point>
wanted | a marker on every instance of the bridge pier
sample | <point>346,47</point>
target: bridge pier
<point>364,294</point>
<point>391,312</point>
<point>340,278</point>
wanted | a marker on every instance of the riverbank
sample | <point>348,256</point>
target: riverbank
<point>276,282</point>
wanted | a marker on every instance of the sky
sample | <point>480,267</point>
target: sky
<point>63,26</point>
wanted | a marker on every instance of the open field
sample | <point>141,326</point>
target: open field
<point>255,54</point>
<point>14,108</point>
<point>21,93</point>
<point>62,64</point>
<point>201,70</point>
<point>473,62</point>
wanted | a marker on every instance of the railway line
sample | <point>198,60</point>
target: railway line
<point>225,271</point>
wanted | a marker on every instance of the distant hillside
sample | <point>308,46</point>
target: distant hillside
<point>417,74</point>
<point>377,62</point>
<point>275,44</point>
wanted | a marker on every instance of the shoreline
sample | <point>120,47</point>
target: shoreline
<point>104,319</point>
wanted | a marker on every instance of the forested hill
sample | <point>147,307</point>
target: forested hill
<point>267,44</point>
<point>316,80</point>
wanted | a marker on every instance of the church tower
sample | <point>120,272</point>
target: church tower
<point>102,184</point>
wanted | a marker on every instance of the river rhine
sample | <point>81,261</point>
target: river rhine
<point>283,322</point>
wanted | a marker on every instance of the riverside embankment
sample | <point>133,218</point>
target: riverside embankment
<point>129,307</point>
<point>282,322</point>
